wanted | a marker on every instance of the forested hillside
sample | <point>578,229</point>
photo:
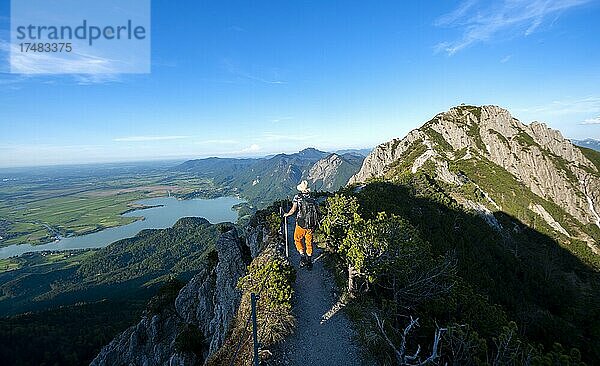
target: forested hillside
<point>80,305</point>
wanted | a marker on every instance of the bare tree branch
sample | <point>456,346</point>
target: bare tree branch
<point>402,357</point>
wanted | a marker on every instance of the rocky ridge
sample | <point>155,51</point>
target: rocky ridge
<point>333,171</point>
<point>208,302</point>
<point>535,156</point>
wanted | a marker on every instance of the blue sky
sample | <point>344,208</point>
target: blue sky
<point>240,78</point>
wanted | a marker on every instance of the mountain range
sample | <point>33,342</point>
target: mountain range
<point>263,180</point>
<point>589,143</point>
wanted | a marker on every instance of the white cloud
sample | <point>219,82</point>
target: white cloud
<point>46,63</point>
<point>236,28</point>
<point>85,69</point>
<point>281,119</point>
<point>591,121</point>
<point>456,14</point>
<point>148,138</point>
<point>252,148</point>
<point>42,154</point>
<point>481,23</point>
<point>505,59</point>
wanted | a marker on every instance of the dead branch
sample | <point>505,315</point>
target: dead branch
<point>400,352</point>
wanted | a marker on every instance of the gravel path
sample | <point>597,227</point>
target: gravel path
<point>323,336</point>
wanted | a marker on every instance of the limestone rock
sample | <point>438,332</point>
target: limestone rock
<point>208,301</point>
<point>536,156</point>
<point>333,171</point>
<point>150,342</point>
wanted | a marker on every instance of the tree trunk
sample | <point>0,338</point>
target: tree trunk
<point>352,274</point>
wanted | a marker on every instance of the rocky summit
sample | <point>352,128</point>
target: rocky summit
<point>333,171</point>
<point>490,162</point>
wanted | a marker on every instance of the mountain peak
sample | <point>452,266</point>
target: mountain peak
<point>485,146</point>
<point>333,171</point>
<point>311,152</point>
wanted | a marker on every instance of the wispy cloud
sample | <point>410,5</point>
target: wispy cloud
<point>591,121</point>
<point>85,69</point>
<point>236,28</point>
<point>218,142</point>
<point>251,150</point>
<point>90,79</point>
<point>281,119</point>
<point>279,137</point>
<point>481,23</point>
<point>568,106</point>
<point>262,80</point>
<point>46,63</point>
<point>148,138</point>
<point>457,14</point>
<point>238,71</point>
<point>505,59</point>
<point>41,154</point>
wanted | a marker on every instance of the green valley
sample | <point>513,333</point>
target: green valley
<point>37,207</point>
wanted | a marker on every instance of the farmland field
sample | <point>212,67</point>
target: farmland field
<point>39,206</point>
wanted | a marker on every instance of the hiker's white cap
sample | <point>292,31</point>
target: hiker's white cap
<point>303,187</point>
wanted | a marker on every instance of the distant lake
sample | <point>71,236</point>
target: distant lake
<point>171,209</point>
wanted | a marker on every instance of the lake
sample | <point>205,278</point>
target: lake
<point>171,209</point>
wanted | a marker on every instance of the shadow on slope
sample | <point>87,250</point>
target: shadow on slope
<point>551,294</point>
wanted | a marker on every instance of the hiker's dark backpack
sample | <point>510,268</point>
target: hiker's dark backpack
<point>308,212</point>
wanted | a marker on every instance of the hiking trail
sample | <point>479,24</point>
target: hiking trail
<point>323,334</point>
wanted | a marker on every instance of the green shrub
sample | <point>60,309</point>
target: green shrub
<point>341,213</point>
<point>274,222</point>
<point>272,277</point>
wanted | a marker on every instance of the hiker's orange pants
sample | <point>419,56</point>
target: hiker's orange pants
<point>307,234</point>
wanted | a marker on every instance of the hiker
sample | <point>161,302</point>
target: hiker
<point>306,222</point>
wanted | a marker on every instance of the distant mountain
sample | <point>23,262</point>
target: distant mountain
<point>333,171</point>
<point>589,143</point>
<point>263,180</point>
<point>275,178</point>
<point>491,162</point>
<point>213,166</point>
<point>361,152</point>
